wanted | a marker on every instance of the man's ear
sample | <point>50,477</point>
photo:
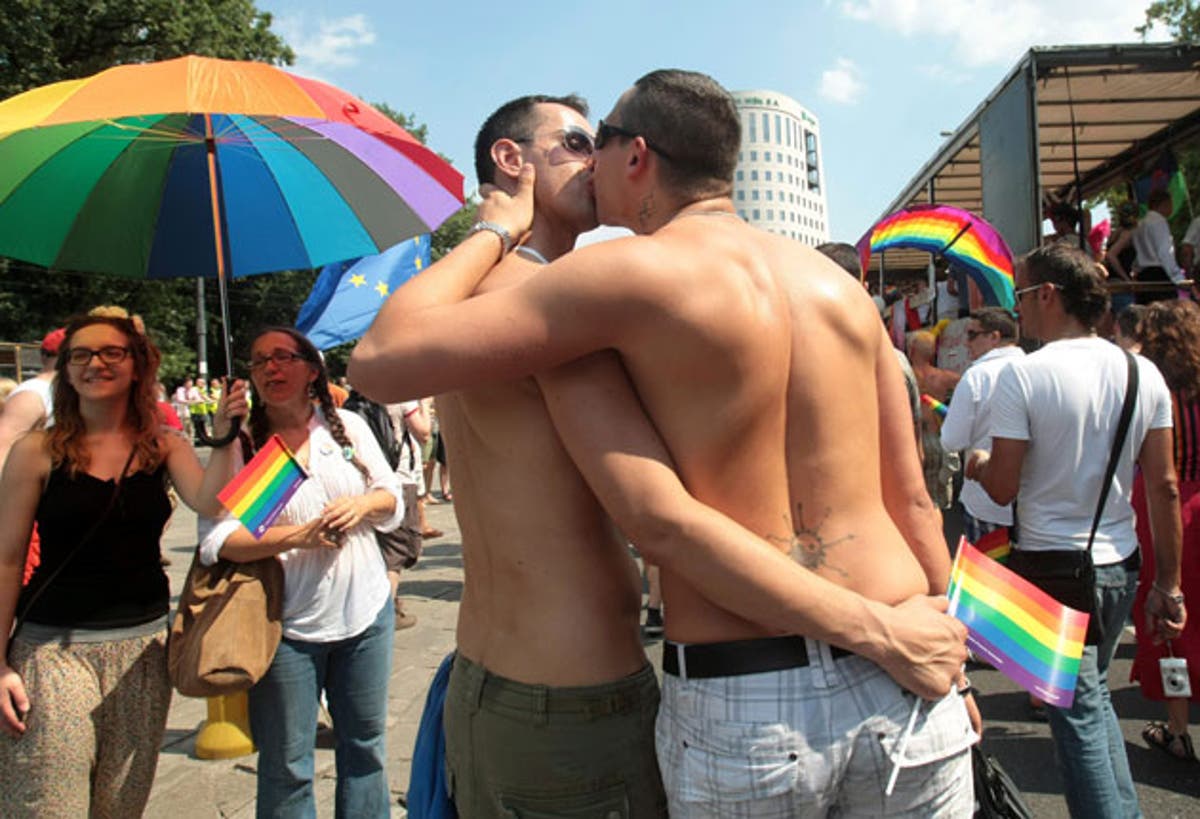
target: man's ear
<point>507,156</point>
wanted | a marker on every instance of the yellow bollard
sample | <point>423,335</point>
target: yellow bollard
<point>226,733</point>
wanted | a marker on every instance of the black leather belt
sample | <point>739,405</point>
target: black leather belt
<point>729,659</point>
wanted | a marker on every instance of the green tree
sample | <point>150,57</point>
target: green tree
<point>44,41</point>
<point>1181,17</point>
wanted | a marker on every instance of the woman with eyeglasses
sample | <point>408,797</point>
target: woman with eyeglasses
<point>337,610</point>
<point>83,683</point>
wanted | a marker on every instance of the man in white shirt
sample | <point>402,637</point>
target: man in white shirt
<point>1155,249</point>
<point>30,405</point>
<point>992,344</point>
<point>1054,419</point>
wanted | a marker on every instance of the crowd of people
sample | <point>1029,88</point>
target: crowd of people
<point>791,504</point>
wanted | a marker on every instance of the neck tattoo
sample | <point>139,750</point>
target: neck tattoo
<point>533,255</point>
<point>647,209</point>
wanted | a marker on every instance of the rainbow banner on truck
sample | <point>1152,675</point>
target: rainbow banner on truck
<point>1025,633</point>
<point>258,493</point>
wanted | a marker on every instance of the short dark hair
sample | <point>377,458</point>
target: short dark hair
<point>694,121</point>
<point>845,255</point>
<point>1130,320</point>
<point>1157,198</point>
<point>514,120</point>
<point>996,320</point>
<point>1075,275</point>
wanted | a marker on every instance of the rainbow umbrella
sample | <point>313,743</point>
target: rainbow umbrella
<point>954,234</point>
<point>205,167</point>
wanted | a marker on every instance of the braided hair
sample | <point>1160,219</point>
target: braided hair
<point>260,425</point>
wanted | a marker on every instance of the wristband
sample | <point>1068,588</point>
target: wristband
<point>506,240</point>
<point>1177,599</point>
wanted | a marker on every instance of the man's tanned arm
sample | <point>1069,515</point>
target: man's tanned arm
<point>615,446</point>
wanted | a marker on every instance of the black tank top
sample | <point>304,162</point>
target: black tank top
<point>118,579</point>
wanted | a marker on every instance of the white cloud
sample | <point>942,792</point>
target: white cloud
<point>325,44</point>
<point>983,32</point>
<point>842,83</point>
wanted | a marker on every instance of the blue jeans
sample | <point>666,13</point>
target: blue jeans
<point>1087,737</point>
<point>283,720</point>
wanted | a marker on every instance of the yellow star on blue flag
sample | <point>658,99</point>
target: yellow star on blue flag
<point>341,306</point>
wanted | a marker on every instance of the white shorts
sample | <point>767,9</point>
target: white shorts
<point>810,741</point>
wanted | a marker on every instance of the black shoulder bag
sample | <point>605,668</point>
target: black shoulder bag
<point>1069,575</point>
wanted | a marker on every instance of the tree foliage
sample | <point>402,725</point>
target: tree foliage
<point>44,41</point>
<point>1181,17</point>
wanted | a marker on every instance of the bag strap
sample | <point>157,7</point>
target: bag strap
<point>83,541</point>
<point>1131,389</point>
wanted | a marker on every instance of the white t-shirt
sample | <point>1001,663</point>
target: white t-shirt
<point>1065,399</point>
<point>968,426</point>
<point>409,469</point>
<point>43,388</point>
<point>329,594</point>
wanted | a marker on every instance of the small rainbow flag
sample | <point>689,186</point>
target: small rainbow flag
<point>996,544</point>
<point>955,234</point>
<point>258,493</point>
<point>935,405</point>
<point>1025,633</point>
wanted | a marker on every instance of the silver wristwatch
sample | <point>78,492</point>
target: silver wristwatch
<point>506,239</point>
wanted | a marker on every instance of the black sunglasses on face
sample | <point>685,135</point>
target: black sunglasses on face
<point>974,334</point>
<point>575,140</point>
<point>606,131</point>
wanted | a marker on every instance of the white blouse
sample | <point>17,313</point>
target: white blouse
<point>329,594</point>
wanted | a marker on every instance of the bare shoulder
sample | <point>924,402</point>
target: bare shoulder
<point>30,454</point>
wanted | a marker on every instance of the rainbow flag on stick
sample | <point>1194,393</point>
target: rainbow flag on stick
<point>1025,633</point>
<point>996,544</point>
<point>935,405</point>
<point>258,493</point>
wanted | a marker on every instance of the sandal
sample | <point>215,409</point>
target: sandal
<point>1157,735</point>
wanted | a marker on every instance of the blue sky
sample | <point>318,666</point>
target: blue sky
<point>884,77</point>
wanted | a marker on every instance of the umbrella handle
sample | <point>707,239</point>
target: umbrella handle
<point>202,432</point>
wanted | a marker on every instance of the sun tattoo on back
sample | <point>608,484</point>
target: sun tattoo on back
<point>807,546</point>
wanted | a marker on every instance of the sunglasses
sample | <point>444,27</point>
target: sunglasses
<point>606,131</point>
<point>974,334</point>
<point>1017,294</point>
<point>576,140</point>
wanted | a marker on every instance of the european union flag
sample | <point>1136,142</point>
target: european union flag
<point>347,295</point>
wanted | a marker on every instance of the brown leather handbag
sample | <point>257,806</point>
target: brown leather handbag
<point>228,625</point>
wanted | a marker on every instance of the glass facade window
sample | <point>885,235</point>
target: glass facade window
<point>778,130</point>
<point>766,126</point>
<point>770,196</point>
<point>754,194</point>
<point>756,214</point>
<point>767,176</point>
<point>741,195</point>
<point>739,176</point>
<point>754,156</point>
<point>753,176</point>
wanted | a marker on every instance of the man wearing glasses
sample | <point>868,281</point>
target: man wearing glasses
<point>551,701</point>
<point>753,357</point>
<point>1055,416</point>
<point>992,344</point>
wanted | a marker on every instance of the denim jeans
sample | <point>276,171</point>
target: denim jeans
<point>283,720</point>
<point>1087,737</point>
